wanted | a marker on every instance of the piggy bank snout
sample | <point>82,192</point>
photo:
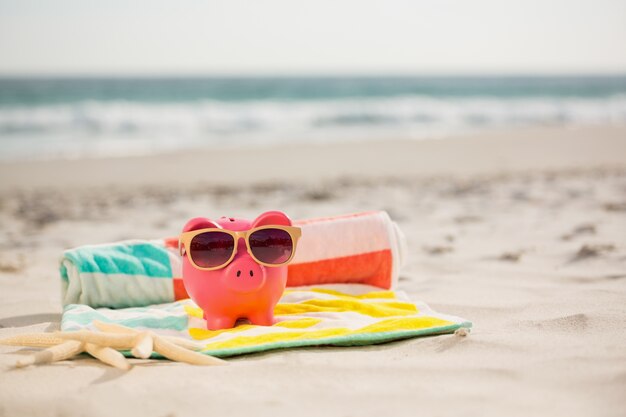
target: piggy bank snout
<point>244,274</point>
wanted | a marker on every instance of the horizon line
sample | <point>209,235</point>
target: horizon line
<point>389,74</point>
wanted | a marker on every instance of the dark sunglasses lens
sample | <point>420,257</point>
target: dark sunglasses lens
<point>272,246</point>
<point>211,249</point>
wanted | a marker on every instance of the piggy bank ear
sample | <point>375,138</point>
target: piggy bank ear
<point>196,224</point>
<point>200,223</point>
<point>272,218</point>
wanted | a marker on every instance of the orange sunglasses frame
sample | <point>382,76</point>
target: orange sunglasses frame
<point>185,241</point>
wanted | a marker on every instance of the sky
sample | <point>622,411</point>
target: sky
<point>291,37</point>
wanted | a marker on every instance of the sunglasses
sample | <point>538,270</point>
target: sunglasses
<point>209,249</point>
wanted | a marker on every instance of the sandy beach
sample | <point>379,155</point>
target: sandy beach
<point>522,232</point>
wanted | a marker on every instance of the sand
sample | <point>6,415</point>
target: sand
<point>522,232</point>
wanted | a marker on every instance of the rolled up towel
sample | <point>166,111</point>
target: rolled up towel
<point>360,248</point>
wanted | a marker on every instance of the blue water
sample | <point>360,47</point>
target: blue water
<point>75,117</point>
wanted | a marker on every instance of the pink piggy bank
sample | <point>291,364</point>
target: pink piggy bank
<point>237,269</point>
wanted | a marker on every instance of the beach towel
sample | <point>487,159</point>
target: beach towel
<point>360,248</point>
<point>341,291</point>
<point>335,315</point>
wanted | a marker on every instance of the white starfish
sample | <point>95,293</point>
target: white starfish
<point>104,345</point>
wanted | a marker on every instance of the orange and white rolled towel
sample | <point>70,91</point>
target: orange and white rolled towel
<point>361,248</point>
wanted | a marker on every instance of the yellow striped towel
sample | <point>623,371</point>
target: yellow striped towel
<point>337,315</point>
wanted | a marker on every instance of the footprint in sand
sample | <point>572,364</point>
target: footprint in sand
<point>594,279</point>
<point>467,219</point>
<point>511,256</point>
<point>615,206</point>
<point>508,256</point>
<point>588,251</point>
<point>12,264</point>
<point>583,229</point>
<point>438,250</point>
<point>574,322</point>
<point>318,195</point>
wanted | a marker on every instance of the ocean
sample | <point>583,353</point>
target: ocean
<point>42,118</point>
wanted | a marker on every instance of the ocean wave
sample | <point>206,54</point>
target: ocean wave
<point>159,125</point>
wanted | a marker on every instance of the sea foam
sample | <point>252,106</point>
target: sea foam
<point>98,128</point>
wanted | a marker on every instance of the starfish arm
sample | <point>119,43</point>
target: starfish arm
<point>52,354</point>
<point>143,345</point>
<point>116,341</point>
<point>180,354</point>
<point>107,355</point>
<point>179,341</point>
<point>33,340</point>
<point>116,328</point>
